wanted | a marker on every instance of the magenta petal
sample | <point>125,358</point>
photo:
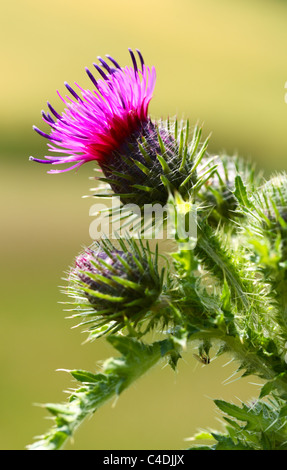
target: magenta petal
<point>66,169</point>
<point>95,124</point>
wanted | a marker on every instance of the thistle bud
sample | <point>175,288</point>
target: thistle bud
<point>217,194</point>
<point>112,287</point>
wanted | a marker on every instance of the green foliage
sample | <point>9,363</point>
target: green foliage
<point>257,426</point>
<point>96,389</point>
<point>226,288</point>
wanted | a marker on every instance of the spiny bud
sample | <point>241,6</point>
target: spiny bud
<point>217,194</point>
<point>115,287</point>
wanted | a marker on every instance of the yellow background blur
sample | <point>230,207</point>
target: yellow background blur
<point>221,63</point>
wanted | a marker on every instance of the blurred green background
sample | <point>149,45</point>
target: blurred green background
<point>221,63</point>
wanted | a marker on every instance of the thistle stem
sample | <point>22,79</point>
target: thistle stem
<point>210,250</point>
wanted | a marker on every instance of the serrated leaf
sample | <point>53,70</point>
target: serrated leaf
<point>85,376</point>
<point>240,192</point>
<point>226,443</point>
<point>233,410</point>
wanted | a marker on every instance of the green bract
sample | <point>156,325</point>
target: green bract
<point>157,161</point>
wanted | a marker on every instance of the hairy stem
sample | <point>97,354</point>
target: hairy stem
<point>218,261</point>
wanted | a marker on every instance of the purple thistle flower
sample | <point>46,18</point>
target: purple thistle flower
<point>97,122</point>
<point>141,160</point>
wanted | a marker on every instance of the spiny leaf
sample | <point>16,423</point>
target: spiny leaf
<point>240,193</point>
<point>96,389</point>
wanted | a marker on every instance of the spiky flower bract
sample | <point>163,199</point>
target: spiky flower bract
<point>217,194</point>
<point>113,287</point>
<point>109,125</point>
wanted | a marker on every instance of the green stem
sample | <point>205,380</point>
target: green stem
<point>218,261</point>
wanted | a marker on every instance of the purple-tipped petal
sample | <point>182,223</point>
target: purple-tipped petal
<point>39,160</point>
<point>141,59</point>
<point>91,77</point>
<point>113,61</point>
<point>101,72</point>
<point>47,136</point>
<point>133,60</point>
<point>70,89</point>
<point>104,64</point>
<point>48,118</point>
<point>53,111</point>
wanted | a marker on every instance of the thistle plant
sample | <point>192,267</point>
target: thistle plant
<point>222,288</point>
